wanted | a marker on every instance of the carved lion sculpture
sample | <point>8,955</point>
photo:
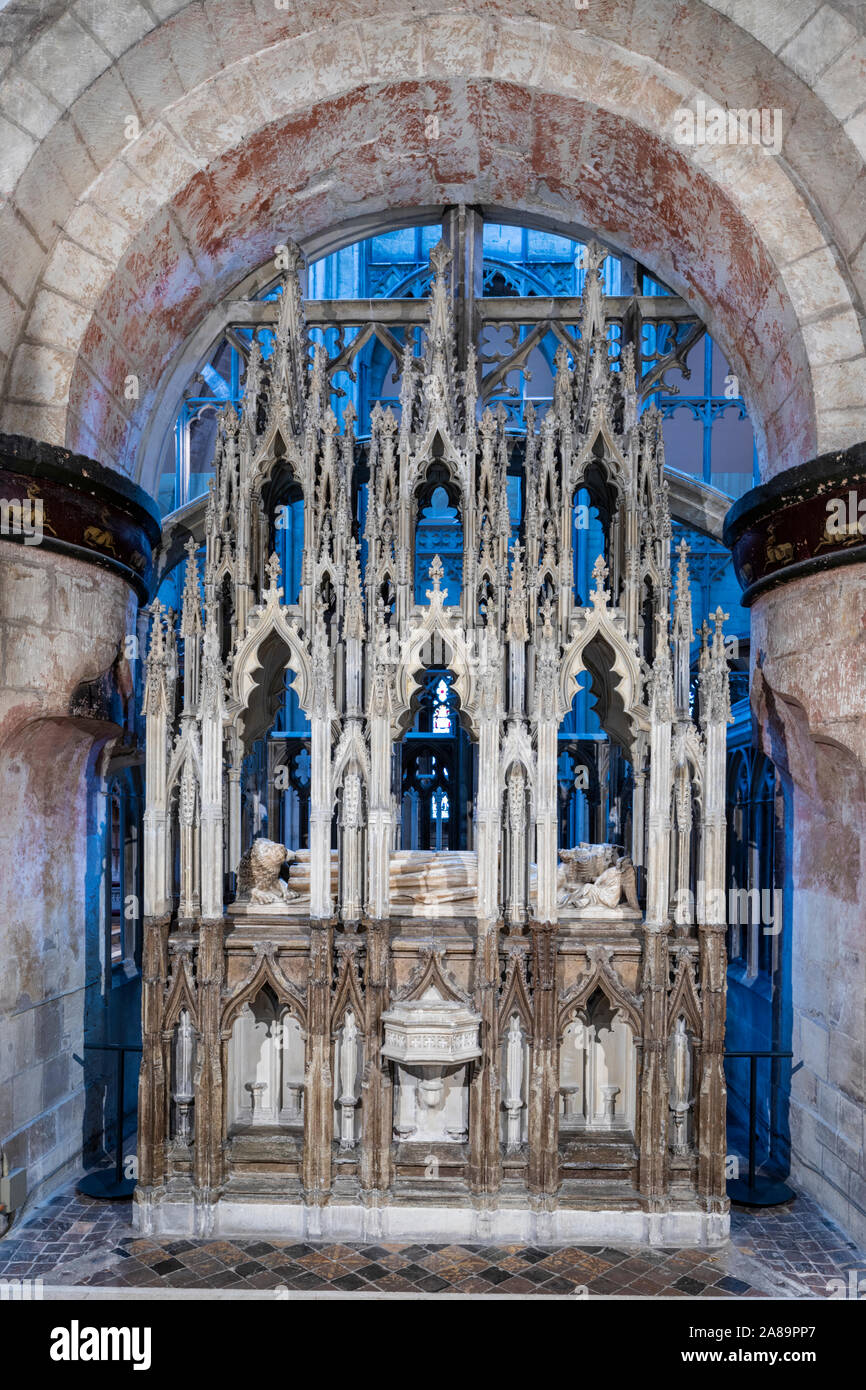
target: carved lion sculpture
<point>259,874</point>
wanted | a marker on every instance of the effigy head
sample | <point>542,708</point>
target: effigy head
<point>587,861</point>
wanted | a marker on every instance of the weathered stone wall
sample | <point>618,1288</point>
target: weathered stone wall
<point>61,621</point>
<point>247,118</point>
<point>809,691</point>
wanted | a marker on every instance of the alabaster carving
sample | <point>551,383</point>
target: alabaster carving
<point>259,874</point>
<point>513,1098</point>
<point>348,1074</point>
<point>183,1094</point>
<point>431,1030</point>
<point>680,1073</point>
<point>585,862</point>
<point>430,1040</point>
<point>428,878</point>
<point>596,876</point>
<point>431,1104</point>
<point>609,888</point>
<point>417,879</point>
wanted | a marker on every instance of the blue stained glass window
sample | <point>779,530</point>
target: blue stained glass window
<point>707,431</point>
<point>522,261</point>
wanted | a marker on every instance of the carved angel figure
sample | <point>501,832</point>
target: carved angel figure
<point>259,873</point>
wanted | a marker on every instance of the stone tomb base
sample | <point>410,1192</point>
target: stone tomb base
<point>337,1221</point>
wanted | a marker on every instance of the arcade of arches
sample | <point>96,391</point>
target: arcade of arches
<point>432,610</point>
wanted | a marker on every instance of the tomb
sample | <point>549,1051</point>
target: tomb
<point>445,1015</point>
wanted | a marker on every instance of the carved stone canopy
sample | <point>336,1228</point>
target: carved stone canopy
<point>431,1031</point>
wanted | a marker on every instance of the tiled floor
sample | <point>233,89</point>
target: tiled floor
<point>789,1251</point>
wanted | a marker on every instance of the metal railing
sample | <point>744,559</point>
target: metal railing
<point>102,1182</point>
<point>758,1191</point>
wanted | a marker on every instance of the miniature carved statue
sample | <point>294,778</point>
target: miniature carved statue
<point>514,1082</point>
<point>348,1078</point>
<point>184,1093</point>
<point>680,1084</point>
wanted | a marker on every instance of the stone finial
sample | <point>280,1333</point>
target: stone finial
<point>517,629</point>
<point>157,631</point>
<point>683,595</point>
<point>600,572</point>
<point>292,257</point>
<point>230,421</point>
<point>437,574</point>
<point>715,688</point>
<point>190,623</point>
<point>683,550</point>
<point>272,569</point>
<point>440,257</point>
<point>547,619</point>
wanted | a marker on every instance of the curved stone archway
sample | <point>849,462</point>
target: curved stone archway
<point>534,110</point>
<point>736,288</point>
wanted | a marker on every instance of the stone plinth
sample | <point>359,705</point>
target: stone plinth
<point>431,1031</point>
